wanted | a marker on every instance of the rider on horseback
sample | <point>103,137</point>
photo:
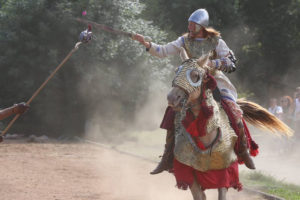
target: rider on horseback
<point>201,40</point>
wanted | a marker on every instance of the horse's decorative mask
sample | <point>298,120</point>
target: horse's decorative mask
<point>183,78</point>
<point>190,77</point>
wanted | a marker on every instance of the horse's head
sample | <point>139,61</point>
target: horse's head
<point>188,82</point>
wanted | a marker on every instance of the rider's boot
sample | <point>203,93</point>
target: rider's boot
<point>166,162</point>
<point>243,153</point>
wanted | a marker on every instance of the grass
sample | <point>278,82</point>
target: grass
<point>269,184</point>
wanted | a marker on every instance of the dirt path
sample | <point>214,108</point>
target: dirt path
<point>31,171</point>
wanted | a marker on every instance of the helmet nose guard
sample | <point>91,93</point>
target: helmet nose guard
<point>200,17</point>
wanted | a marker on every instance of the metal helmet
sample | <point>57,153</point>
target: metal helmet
<point>200,17</point>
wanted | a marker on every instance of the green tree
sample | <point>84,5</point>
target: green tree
<point>109,71</point>
<point>273,25</point>
<point>172,15</point>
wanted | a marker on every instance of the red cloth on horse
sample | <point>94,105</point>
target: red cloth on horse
<point>184,174</point>
<point>168,123</point>
<point>195,126</point>
<point>168,120</point>
<point>250,142</point>
<point>212,179</point>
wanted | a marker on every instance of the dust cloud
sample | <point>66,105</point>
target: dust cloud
<point>278,157</point>
<point>130,176</point>
<point>145,140</point>
<point>126,177</point>
<point>149,116</point>
<point>142,137</point>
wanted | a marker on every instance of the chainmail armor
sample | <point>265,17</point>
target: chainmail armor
<point>197,48</point>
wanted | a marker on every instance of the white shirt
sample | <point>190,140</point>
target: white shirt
<point>173,48</point>
<point>276,110</point>
<point>297,109</point>
<point>297,106</point>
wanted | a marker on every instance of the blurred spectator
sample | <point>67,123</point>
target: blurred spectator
<point>286,103</point>
<point>297,112</point>
<point>297,103</point>
<point>275,109</point>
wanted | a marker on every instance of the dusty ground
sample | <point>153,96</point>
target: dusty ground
<point>31,171</point>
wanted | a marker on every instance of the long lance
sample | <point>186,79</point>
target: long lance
<point>109,29</point>
<point>106,28</point>
<point>41,87</point>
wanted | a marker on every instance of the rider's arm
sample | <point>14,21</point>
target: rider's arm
<point>6,112</point>
<point>15,109</point>
<point>160,51</point>
<point>171,48</point>
<point>225,60</point>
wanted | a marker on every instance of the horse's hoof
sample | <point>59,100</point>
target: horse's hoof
<point>248,161</point>
<point>1,138</point>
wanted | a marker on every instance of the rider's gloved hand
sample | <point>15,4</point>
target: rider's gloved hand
<point>224,64</point>
<point>20,108</point>
<point>140,38</point>
<point>86,35</point>
<point>143,40</point>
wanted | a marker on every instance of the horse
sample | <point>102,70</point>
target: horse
<point>210,155</point>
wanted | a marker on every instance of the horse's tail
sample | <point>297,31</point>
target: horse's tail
<point>262,118</point>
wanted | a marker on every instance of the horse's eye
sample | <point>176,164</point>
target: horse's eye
<point>195,76</point>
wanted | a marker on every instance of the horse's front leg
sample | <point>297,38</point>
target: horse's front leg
<point>222,193</point>
<point>197,192</point>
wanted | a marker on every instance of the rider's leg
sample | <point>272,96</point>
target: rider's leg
<point>235,115</point>
<point>167,123</point>
<point>197,192</point>
<point>222,193</point>
<point>166,162</point>
<point>242,151</point>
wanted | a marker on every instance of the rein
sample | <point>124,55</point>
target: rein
<point>211,145</point>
